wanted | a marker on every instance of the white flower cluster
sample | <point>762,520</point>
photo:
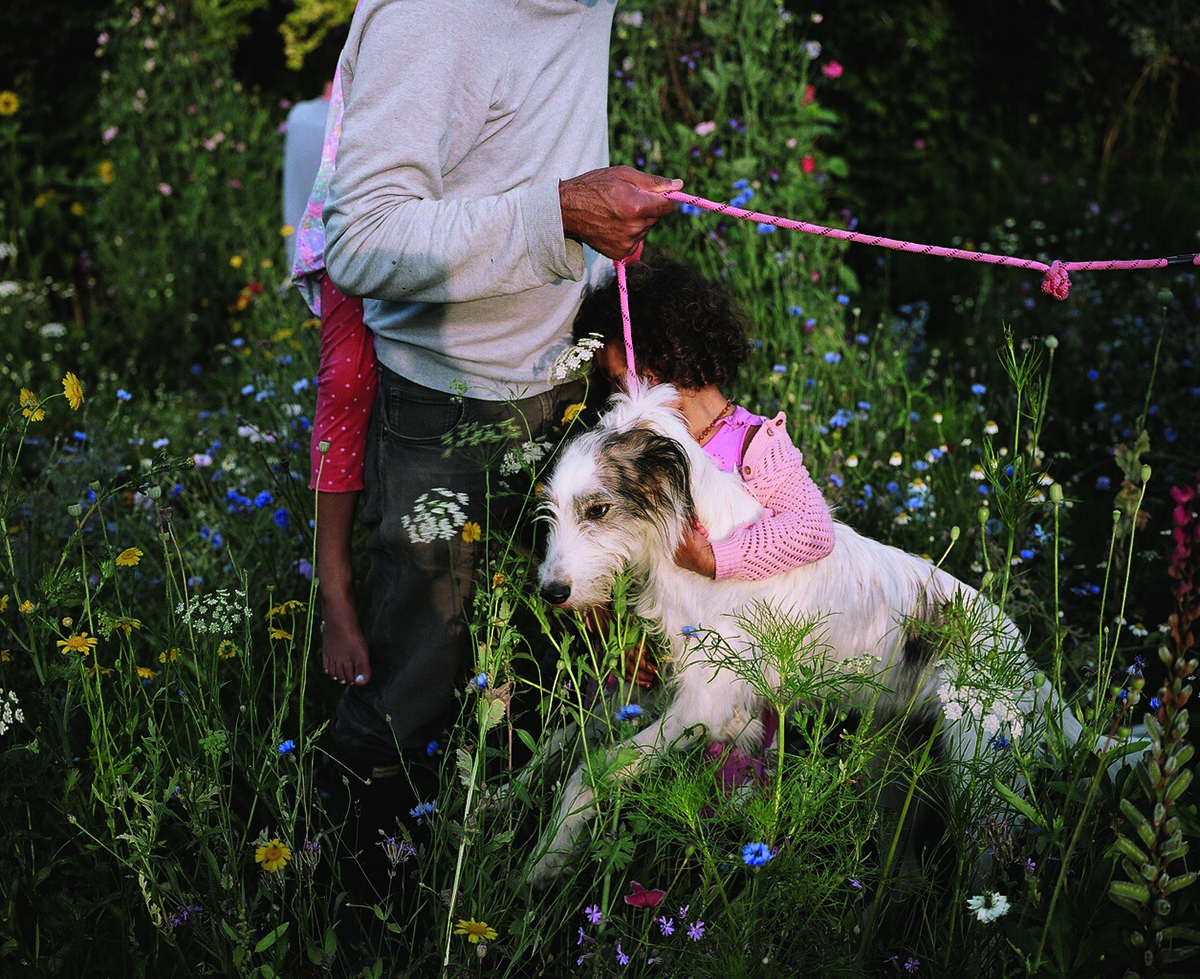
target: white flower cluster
<point>9,288</point>
<point>986,707</point>
<point>523,455</point>
<point>571,361</point>
<point>10,711</point>
<point>437,515</point>
<point>217,613</point>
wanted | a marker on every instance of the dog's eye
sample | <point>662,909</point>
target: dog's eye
<point>596,511</point>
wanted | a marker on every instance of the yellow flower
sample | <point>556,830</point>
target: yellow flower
<point>145,673</point>
<point>127,624</point>
<point>169,655</point>
<point>30,408</point>
<point>498,579</point>
<point>267,263</point>
<point>227,650</point>
<point>5,656</point>
<point>274,856</point>
<point>77,644</point>
<point>26,607</point>
<point>9,103</point>
<point>129,557</point>
<point>73,390</point>
<point>78,209</point>
<point>97,670</point>
<point>287,231</point>
<point>475,931</point>
<point>3,604</point>
<point>45,197</point>
<point>280,634</point>
<point>312,323</point>
<point>572,412</point>
<point>286,608</point>
<point>471,532</point>
<point>106,171</point>
<point>235,261</point>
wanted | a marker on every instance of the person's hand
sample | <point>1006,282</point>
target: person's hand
<point>695,553</point>
<point>613,209</point>
<point>641,668</point>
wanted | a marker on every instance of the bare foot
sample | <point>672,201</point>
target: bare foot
<point>344,654</point>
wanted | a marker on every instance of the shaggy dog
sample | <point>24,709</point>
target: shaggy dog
<point>619,499</point>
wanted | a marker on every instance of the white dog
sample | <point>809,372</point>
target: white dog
<point>620,498</point>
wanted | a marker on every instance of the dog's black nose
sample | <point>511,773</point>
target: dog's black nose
<point>556,592</point>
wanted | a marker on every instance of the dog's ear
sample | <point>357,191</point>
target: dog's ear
<point>652,473</point>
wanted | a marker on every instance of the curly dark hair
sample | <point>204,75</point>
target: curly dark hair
<point>686,329</point>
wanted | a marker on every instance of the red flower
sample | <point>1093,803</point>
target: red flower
<point>642,898</point>
<point>810,93</point>
<point>808,164</point>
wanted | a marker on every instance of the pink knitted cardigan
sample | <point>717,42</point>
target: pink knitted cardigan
<point>797,527</point>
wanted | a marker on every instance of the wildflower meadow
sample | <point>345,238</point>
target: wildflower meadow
<point>167,807</point>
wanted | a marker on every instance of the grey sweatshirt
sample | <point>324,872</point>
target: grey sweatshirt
<point>461,118</point>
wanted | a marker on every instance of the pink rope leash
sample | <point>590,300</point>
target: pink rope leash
<point>1055,281</point>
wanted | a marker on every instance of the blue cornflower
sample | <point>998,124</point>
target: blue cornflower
<point>300,385</point>
<point>862,339</point>
<point>1136,666</point>
<point>248,390</point>
<point>481,681</point>
<point>287,747</point>
<point>836,480</point>
<point>864,406</point>
<point>281,518</point>
<point>840,419</point>
<point>123,395</point>
<point>797,311</point>
<point>1000,742</point>
<point>263,499</point>
<point>1155,703</point>
<point>843,299</point>
<point>756,854</point>
<point>160,443</point>
<point>628,712</point>
<point>780,368</point>
<point>689,630</point>
<point>833,357</point>
<point>978,389</point>
<point>423,811</point>
<point>765,229</point>
<point>1028,555</point>
<point>1092,375</point>
<point>741,184</point>
<point>431,748</point>
<point>1103,482</point>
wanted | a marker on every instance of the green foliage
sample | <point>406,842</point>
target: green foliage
<point>171,525</point>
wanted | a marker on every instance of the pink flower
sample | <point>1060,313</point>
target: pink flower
<point>164,189</point>
<point>110,134</point>
<point>705,128</point>
<point>808,164</point>
<point>832,70</point>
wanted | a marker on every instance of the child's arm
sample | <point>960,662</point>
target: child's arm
<point>346,383</point>
<point>796,528</point>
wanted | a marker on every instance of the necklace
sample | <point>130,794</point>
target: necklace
<point>716,418</point>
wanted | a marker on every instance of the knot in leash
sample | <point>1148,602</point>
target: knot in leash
<point>1056,282</point>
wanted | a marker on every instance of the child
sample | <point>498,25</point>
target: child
<point>687,332</point>
<point>346,383</point>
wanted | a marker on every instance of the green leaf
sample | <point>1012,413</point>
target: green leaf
<point>270,938</point>
<point>1023,807</point>
<point>1186,932</point>
<point>330,940</point>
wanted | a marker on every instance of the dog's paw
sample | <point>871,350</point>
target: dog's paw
<point>547,870</point>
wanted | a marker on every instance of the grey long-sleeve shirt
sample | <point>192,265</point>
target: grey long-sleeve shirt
<point>461,118</point>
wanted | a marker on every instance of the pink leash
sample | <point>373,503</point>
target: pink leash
<point>1055,280</point>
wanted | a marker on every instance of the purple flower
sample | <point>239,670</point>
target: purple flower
<point>622,958</point>
<point>666,924</point>
<point>593,914</point>
<point>696,930</point>
<point>912,965</point>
